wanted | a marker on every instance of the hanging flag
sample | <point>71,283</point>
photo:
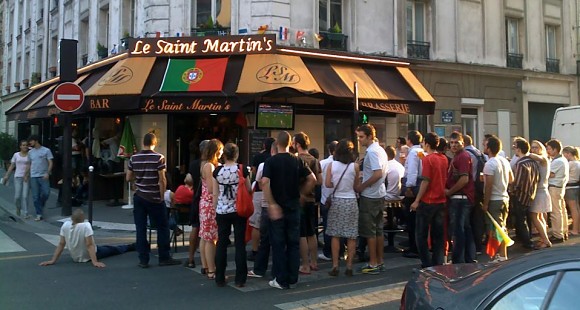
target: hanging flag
<point>283,33</point>
<point>127,146</point>
<point>243,31</point>
<point>318,37</point>
<point>194,75</point>
<point>299,35</point>
<point>158,34</point>
<point>262,29</point>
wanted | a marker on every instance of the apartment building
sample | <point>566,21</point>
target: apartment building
<point>493,66</point>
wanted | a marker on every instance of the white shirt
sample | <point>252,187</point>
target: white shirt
<point>74,236</point>
<point>325,191</point>
<point>20,162</point>
<point>396,172</point>
<point>559,168</point>
<point>375,159</point>
<point>413,165</point>
<point>346,187</point>
<point>500,169</point>
<point>574,173</point>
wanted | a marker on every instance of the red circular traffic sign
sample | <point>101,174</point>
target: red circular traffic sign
<point>68,97</point>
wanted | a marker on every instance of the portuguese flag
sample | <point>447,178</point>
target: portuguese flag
<point>496,237</point>
<point>194,75</point>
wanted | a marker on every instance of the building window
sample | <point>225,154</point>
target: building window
<point>329,15</point>
<point>212,13</point>
<point>552,61</point>
<point>417,47</point>
<point>514,55</point>
<point>418,122</point>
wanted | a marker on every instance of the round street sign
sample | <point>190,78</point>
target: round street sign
<point>68,97</point>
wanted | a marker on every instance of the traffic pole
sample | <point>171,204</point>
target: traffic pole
<point>91,188</point>
<point>355,116</point>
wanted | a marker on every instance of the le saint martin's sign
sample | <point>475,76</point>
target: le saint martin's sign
<point>202,46</point>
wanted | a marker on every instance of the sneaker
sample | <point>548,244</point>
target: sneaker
<point>252,274</point>
<point>26,217</point>
<point>382,267</point>
<point>38,218</point>
<point>324,257</point>
<point>370,270</point>
<point>275,284</point>
<point>499,259</point>
<point>170,262</point>
<point>143,265</point>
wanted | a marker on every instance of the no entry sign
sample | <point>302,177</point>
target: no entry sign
<point>68,97</point>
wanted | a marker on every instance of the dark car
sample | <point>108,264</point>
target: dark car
<point>547,279</point>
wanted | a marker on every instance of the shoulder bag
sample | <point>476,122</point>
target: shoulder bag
<point>244,203</point>
<point>328,202</point>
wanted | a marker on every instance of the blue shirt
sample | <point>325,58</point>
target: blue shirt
<point>39,161</point>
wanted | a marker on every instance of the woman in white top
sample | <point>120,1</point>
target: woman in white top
<point>542,203</point>
<point>343,213</point>
<point>226,179</point>
<point>573,186</point>
<point>19,163</point>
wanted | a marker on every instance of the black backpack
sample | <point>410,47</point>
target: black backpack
<point>478,180</point>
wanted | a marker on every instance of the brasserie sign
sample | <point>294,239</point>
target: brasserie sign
<point>202,46</point>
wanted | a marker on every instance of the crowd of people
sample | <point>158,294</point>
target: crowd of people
<point>456,202</point>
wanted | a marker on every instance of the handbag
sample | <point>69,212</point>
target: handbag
<point>328,202</point>
<point>244,203</point>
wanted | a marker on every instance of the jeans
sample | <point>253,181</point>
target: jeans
<point>263,255</point>
<point>285,239</point>
<point>110,250</point>
<point>460,227</point>
<point>478,225</point>
<point>520,221</point>
<point>224,223</point>
<point>21,190</point>
<point>430,216</point>
<point>157,213</point>
<point>40,192</point>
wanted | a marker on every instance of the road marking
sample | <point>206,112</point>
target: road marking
<point>52,239</point>
<point>24,256</point>
<point>119,226</point>
<point>7,245</point>
<point>351,300</point>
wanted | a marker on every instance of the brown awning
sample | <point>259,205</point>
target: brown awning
<point>127,77</point>
<point>270,72</point>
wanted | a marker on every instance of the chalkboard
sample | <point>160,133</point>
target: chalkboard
<point>256,138</point>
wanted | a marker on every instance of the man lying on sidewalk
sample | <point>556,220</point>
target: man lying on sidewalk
<point>77,236</point>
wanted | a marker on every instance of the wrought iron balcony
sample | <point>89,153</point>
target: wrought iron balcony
<point>202,32</point>
<point>418,49</point>
<point>333,41</point>
<point>514,60</point>
<point>553,65</point>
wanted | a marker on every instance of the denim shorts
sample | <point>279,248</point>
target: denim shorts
<point>572,194</point>
<point>370,218</point>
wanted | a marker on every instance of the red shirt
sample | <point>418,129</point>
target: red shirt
<point>435,170</point>
<point>460,166</point>
<point>183,195</point>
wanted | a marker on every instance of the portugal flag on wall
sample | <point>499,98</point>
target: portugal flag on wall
<point>194,75</point>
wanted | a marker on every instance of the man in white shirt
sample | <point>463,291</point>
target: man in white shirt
<point>326,252</point>
<point>77,236</point>
<point>396,172</point>
<point>559,175</point>
<point>411,183</point>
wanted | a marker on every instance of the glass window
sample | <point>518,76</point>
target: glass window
<point>415,21</point>
<point>551,42</point>
<point>513,46</point>
<point>529,296</point>
<point>329,14</point>
<point>566,296</point>
<point>218,10</point>
<point>418,122</point>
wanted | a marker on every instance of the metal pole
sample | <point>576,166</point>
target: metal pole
<point>355,116</point>
<point>66,165</point>
<point>91,187</point>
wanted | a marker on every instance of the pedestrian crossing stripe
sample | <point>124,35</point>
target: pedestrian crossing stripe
<point>52,239</point>
<point>351,300</point>
<point>7,245</point>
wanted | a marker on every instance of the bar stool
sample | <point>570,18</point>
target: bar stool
<point>390,228</point>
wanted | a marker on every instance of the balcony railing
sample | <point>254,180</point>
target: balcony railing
<point>202,32</point>
<point>418,49</point>
<point>553,65</point>
<point>333,41</point>
<point>514,60</point>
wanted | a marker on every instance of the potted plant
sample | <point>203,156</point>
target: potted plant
<point>25,82</point>
<point>102,51</point>
<point>34,78</point>
<point>8,145</point>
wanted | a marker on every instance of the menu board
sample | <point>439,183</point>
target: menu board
<point>256,138</point>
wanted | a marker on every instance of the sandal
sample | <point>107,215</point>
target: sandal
<point>348,272</point>
<point>188,264</point>
<point>313,268</point>
<point>334,272</point>
<point>203,270</point>
<point>301,271</point>
<point>211,275</point>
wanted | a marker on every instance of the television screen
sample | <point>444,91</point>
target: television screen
<point>274,116</point>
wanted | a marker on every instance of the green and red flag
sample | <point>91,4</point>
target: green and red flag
<point>127,146</point>
<point>194,75</point>
<point>496,236</point>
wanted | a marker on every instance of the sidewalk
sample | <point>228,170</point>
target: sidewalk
<point>104,216</point>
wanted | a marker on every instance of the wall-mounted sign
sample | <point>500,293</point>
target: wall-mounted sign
<point>402,108</point>
<point>153,105</point>
<point>447,116</point>
<point>201,46</point>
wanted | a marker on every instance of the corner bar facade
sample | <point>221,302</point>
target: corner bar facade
<point>238,89</point>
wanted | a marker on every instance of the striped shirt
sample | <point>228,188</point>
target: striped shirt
<point>526,179</point>
<point>146,166</point>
